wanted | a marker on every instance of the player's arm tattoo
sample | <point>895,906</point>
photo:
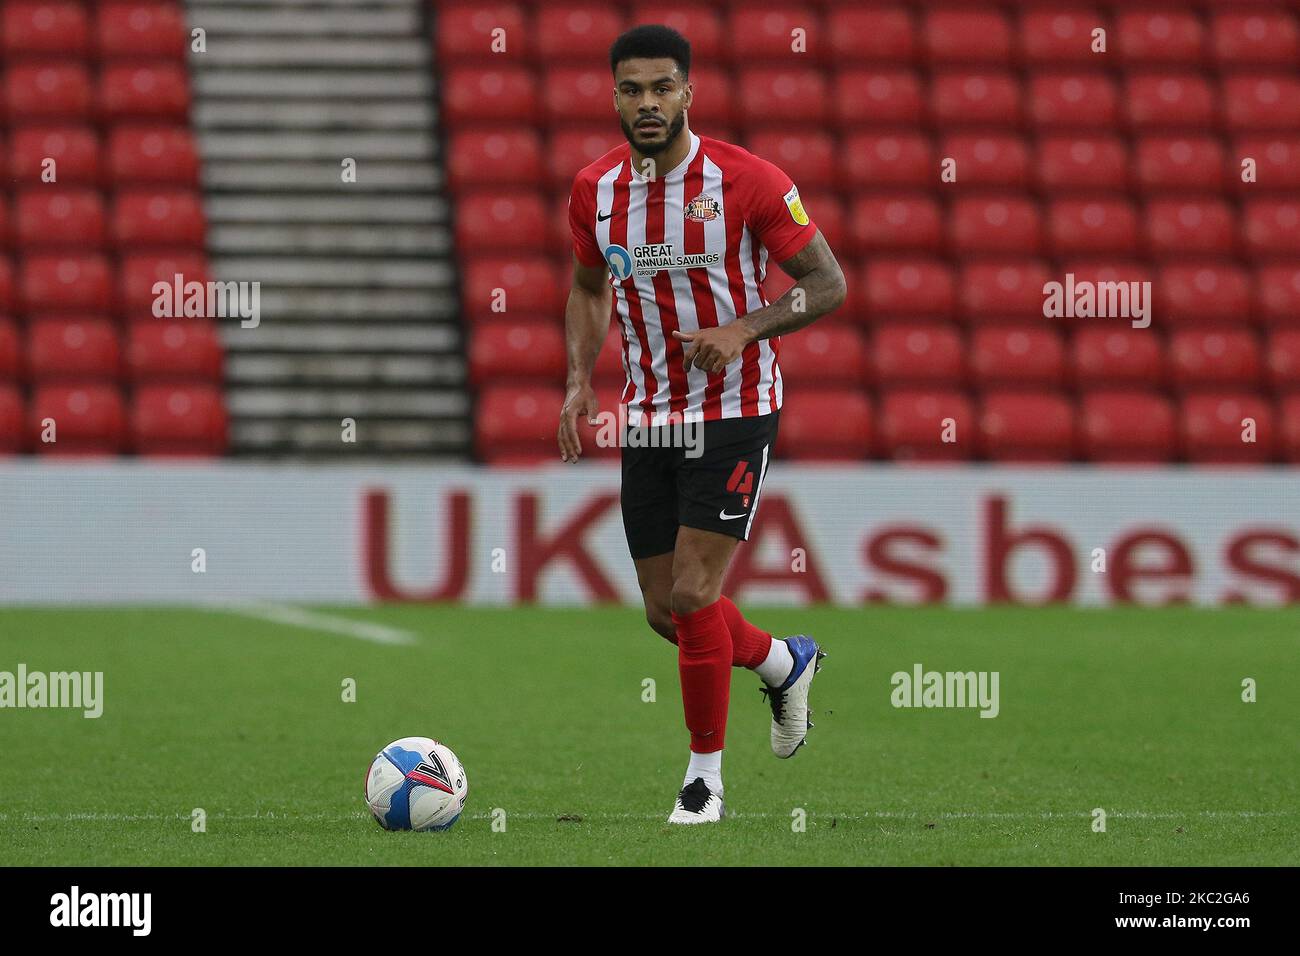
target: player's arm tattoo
<point>819,288</point>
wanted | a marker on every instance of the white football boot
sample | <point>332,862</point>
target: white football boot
<point>697,804</point>
<point>789,702</point>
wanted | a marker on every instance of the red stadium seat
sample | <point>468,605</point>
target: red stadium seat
<point>830,355</point>
<point>1120,307</point>
<point>1227,358</point>
<point>7,285</point>
<point>89,419</point>
<point>896,221</point>
<point>178,420</point>
<point>807,157</point>
<point>467,31</point>
<point>1268,102</point>
<point>827,212</point>
<point>66,283</point>
<point>140,270</point>
<point>528,284</point>
<point>1214,426</point>
<point>765,32</point>
<point>154,91</point>
<point>44,28</point>
<point>995,291</point>
<point>148,155</point>
<point>158,217</point>
<point>1277,162</point>
<point>496,156</point>
<point>1173,101</point>
<point>11,352</point>
<point>1055,37</point>
<point>1283,360</point>
<point>510,350</point>
<point>1179,227</point>
<point>518,422</point>
<point>1255,38</point>
<point>890,159</point>
<point>173,349</point>
<point>825,424</point>
<point>1092,226</point>
<point>76,349</point>
<point>578,94</point>
<point>783,95</point>
<point>12,414</point>
<point>500,221</point>
<point>1288,408</point>
<point>1113,357</point>
<point>1127,427</point>
<point>492,94</point>
<point>917,355</point>
<point>705,28</point>
<point>878,96</point>
<point>950,36</point>
<point>995,225</point>
<point>870,35</point>
<point>47,93</point>
<point>914,424</point>
<point>1026,427</point>
<point>985,159</point>
<point>1148,37</point>
<point>1277,290</point>
<point>1204,294</point>
<point>1083,161</point>
<point>576,31</point>
<point>1184,164</point>
<point>147,29</point>
<point>570,148</point>
<point>1003,356</point>
<point>74,149</point>
<point>908,289</point>
<point>714,102</point>
<point>1271,228</point>
<point>51,217</point>
<point>974,98</point>
<point>1073,101</point>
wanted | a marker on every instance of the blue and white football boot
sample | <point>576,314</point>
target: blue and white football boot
<point>789,702</point>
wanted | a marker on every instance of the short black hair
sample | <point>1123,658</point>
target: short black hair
<point>652,41</point>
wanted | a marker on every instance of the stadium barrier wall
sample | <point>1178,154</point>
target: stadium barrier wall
<point>131,532</point>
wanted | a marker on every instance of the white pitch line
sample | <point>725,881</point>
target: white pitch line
<point>292,616</point>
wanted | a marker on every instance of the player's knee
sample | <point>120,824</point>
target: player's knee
<point>693,593</point>
<point>660,619</point>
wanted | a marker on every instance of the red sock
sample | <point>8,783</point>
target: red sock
<point>749,645</point>
<point>704,662</point>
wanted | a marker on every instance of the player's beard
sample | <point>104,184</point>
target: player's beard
<point>654,149</point>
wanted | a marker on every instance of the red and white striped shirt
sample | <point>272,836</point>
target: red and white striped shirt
<point>688,250</point>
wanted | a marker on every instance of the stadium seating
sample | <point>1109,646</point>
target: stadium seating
<point>1117,166</point>
<point>100,199</point>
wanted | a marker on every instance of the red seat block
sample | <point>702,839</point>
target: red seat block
<point>575,31</point>
<point>7,298</point>
<point>878,96</point>
<point>1170,101</point>
<point>975,98</point>
<point>1054,37</point>
<point>12,414</point>
<point>157,91</point>
<point>1277,162</point>
<point>495,157</point>
<point>908,288</point>
<point>985,159</point>
<point>998,290</point>
<point>139,272</point>
<point>1214,426</point>
<point>896,222</point>
<point>1179,227</point>
<point>467,32</point>
<point>89,419</point>
<point>78,349</point>
<point>1267,102</point>
<point>1116,357</point>
<point>706,30</point>
<point>66,283</point>
<point>966,36</point>
<point>918,355</point>
<point>891,159</point>
<point>869,34</point>
<point>52,217</point>
<point>1277,294</point>
<point>178,420</point>
<point>808,158</point>
<point>47,93</point>
<point>1283,359</point>
<point>74,149</point>
<point>826,210</point>
<point>1083,161</point>
<point>1255,38</point>
<point>915,422</point>
<point>578,94</point>
<point>1003,356</point>
<point>11,352</point>
<point>1159,36</point>
<point>825,424</point>
<point>519,421</point>
<point>995,225</point>
<point>147,29</point>
<point>764,32</point>
<point>714,102</point>
<point>153,155</point>
<point>508,350</point>
<point>44,28</point>
<point>1204,294</point>
<point>173,349</point>
<point>1127,427</point>
<point>1026,426</point>
<point>1184,164</point>
<point>831,355</point>
<point>783,95</point>
<point>494,94</point>
<point>158,217</point>
<point>1201,359</point>
<point>1087,226</point>
<point>528,283</point>
<point>500,220</point>
<point>570,148</point>
<point>1073,101</point>
<point>1271,228</point>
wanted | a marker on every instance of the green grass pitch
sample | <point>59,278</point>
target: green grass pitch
<point>1138,712</point>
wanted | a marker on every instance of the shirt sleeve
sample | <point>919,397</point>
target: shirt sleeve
<point>776,213</point>
<point>582,216</point>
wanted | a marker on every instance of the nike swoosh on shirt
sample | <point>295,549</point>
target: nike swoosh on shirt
<point>726,517</point>
<point>602,216</point>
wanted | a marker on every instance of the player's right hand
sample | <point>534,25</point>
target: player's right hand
<point>580,400</point>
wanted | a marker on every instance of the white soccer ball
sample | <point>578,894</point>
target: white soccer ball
<point>416,784</point>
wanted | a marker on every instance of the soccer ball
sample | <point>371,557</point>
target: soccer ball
<point>416,784</point>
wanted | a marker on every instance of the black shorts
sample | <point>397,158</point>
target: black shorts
<point>715,490</point>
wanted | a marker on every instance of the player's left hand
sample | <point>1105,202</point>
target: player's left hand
<point>713,349</point>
